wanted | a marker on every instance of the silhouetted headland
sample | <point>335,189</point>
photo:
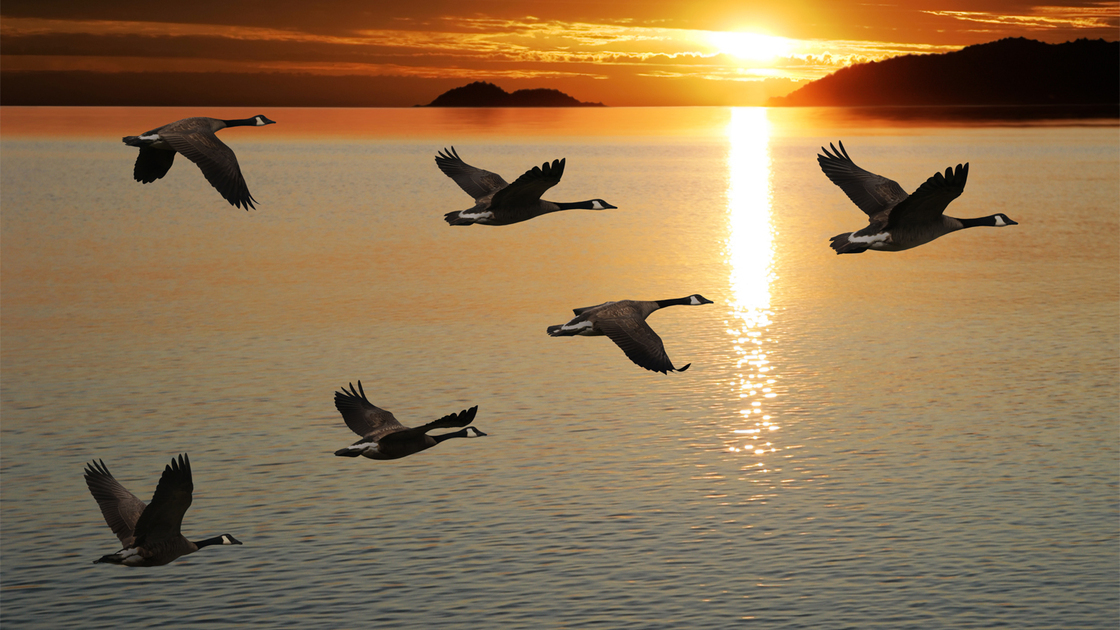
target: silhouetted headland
<point>483,94</point>
<point>1013,71</point>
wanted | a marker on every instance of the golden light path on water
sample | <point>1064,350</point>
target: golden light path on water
<point>750,252</point>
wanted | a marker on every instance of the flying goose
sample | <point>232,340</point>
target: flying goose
<point>625,323</point>
<point>898,221</point>
<point>195,139</point>
<point>385,438</point>
<point>150,534</point>
<point>499,203</point>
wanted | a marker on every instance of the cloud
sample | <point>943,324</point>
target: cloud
<point>1096,16</point>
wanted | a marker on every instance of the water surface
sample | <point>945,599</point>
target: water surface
<point>915,440</point>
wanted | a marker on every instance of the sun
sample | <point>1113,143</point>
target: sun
<point>751,46</point>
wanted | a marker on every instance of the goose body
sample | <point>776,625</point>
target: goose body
<point>195,138</point>
<point>150,533</point>
<point>898,221</point>
<point>624,322</point>
<point>499,203</point>
<point>383,437</point>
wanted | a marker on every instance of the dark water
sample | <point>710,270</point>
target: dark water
<point>925,439</point>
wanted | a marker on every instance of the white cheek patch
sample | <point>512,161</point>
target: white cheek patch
<point>595,205</point>
<point>694,302</point>
<point>1000,222</point>
<point>874,238</point>
<point>259,121</point>
<point>226,540</point>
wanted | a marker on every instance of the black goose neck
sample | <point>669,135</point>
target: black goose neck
<point>977,222</point>
<point>675,302</point>
<point>447,436</point>
<point>575,205</point>
<point>216,540</point>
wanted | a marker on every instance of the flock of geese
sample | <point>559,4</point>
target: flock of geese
<point>151,534</point>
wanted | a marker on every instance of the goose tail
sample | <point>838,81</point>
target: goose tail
<point>455,218</point>
<point>135,141</point>
<point>842,245</point>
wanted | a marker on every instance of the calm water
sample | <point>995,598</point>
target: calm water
<point>926,439</point>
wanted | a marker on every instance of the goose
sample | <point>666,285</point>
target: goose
<point>383,437</point>
<point>195,139</point>
<point>898,221</point>
<point>499,203</point>
<point>624,322</point>
<point>150,534</point>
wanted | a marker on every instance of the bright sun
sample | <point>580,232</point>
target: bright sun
<point>751,46</point>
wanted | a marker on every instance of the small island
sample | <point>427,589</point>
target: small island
<point>1013,71</point>
<point>483,94</point>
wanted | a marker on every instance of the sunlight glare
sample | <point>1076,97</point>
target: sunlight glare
<point>750,252</point>
<point>752,46</point>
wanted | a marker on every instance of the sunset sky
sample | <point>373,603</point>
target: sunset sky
<point>627,52</point>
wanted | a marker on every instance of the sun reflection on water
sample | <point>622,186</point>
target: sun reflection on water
<point>750,252</point>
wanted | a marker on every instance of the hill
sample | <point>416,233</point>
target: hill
<point>1013,71</point>
<point>482,94</point>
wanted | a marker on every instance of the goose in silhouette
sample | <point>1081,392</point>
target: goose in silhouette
<point>625,323</point>
<point>150,534</point>
<point>499,203</point>
<point>195,139</point>
<point>898,221</point>
<point>385,438</point>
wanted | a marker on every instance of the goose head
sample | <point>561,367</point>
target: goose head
<point>696,300</point>
<point>599,204</point>
<point>1001,220</point>
<point>261,120</point>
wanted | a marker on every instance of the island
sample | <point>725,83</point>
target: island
<point>1013,71</point>
<point>483,94</point>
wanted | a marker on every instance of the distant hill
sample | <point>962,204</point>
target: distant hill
<point>482,94</point>
<point>1013,71</point>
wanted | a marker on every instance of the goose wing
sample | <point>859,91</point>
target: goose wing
<point>461,419</point>
<point>640,343</point>
<point>163,518</point>
<point>120,507</point>
<point>152,164</point>
<point>474,181</point>
<point>581,311</point>
<point>872,193</point>
<point>362,416</point>
<point>929,201</point>
<point>217,161</point>
<point>527,189</point>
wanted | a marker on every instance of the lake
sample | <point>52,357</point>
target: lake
<point>923,439</point>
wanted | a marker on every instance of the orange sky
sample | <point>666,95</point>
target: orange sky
<point>629,52</point>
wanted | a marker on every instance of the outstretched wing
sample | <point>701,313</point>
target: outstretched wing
<point>461,419</point>
<point>474,181</point>
<point>152,164</point>
<point>217,161</point>
<point>362,416</point>
<point>163,518</point>
<point>582,310</point>
<point>639,342</point>
<point>872,193</point>
<point>120,507</point>
<point>929,201</point>
<point>528,188</point>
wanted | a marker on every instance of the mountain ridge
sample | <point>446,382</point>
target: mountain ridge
<point>1010,71</point>
<point>483,94</point>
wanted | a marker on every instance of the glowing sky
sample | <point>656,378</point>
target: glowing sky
<point>623,53</point>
